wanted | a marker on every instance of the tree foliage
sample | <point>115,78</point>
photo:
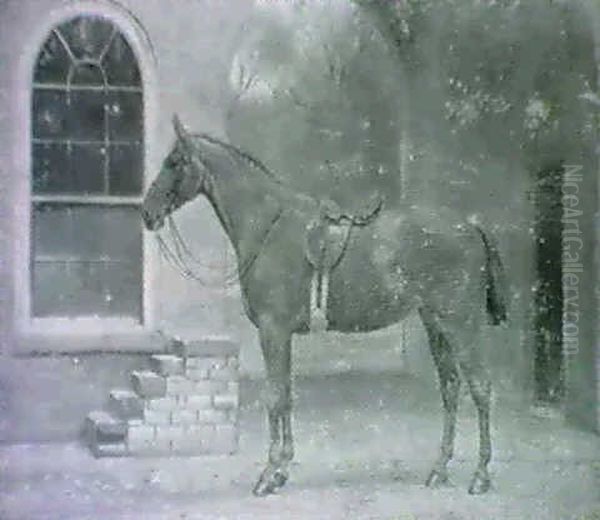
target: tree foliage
<point>461,94</point>
<point>316,97</point>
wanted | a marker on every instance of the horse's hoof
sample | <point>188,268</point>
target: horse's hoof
<point>480,484</point>
<point>437,478</point>
<point>269,482</point>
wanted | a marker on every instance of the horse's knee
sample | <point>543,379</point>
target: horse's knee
<point>481,391</point>
<point>450,389</point>
<point>276,398</point>
<point>451,381</point>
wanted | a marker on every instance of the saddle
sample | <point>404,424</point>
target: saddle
<point>325,243</point>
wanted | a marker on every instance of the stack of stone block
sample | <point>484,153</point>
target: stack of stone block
<point>187,404</point>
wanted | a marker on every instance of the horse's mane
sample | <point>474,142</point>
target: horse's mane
<point>246,157</point>
<point>240,154</point>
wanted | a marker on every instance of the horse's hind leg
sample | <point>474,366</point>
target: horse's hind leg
<point>462,332</point>
<point>447,368</point>
<point>276,348</point>
<point>480,388</point>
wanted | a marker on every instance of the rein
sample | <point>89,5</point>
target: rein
<point>181,254</point>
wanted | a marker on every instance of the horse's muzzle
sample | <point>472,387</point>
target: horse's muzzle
<point>152,222</point>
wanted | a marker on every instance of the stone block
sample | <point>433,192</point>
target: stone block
<point>205,347</point>
<point>226,401</point>
<point>162,403</point>
<point>125,404</point>
<point>211,416</point>
<point>157,417</point>
<point>225,439</point>
<point>169,433</point>
<point>141,439</point>
<point>208,387</point>
<point>148,384</point>
<point>101,429</point>
<point>196,402</point>
<point>167,365</point>
<point>141,433</point>
<point>195,440</point>
<point>184,417</point>
<point>197,374</point>
<point>225,373</point>
<point>206,363</point>
<point>178,385</point>
<point>111,450</point>
<point>106,425</point>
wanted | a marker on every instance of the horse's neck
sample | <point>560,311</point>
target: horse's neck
<point>245,203</point>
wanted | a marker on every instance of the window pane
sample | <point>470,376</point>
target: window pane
<point>86,115</point>
<point>87,168</point>
<point>52,233</point>
<point>122,233</point>
<point>56,289</point>
<point>123,289</point>
<point>59,168</point>
<point>50,168</point>
<point>53,62</point>
<point>87,261</point>
<point>109,233</point>
<point>49,114</point>
<point>87,74</point>
<point>87,36</point>
<point>120,64</point>
<point>125,116</point>
<point>126,169</point>
<point>74,289</point>
<point>83,232</point>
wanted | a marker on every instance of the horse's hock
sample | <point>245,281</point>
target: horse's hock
<point>186,405</point>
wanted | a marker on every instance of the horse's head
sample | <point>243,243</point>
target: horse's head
<point>180,180</point>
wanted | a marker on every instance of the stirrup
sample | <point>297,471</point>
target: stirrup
<point>318,321</point>
<point>318,306</point>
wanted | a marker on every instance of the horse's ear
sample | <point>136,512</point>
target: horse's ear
<point>180,130</point>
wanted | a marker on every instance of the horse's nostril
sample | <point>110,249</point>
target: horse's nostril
<point>147,219</point>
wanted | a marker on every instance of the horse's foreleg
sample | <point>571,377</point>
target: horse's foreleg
<point>449,379</point>
<point>276,348</point>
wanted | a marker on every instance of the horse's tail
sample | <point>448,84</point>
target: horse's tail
<point>495,281</point>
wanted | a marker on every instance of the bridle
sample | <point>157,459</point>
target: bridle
<point>181,257</point>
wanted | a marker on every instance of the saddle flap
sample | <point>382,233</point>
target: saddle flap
<point>325,244</point>
<point>332,212</point>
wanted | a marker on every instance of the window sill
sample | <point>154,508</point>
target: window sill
<point>52,337</point>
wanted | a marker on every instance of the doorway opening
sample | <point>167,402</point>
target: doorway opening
<point>548,358</point>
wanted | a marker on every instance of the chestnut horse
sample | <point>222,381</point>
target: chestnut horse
<point>403,259</point>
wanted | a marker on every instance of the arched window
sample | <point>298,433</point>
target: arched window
<point>87,174</point>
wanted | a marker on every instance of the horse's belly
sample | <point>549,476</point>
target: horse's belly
<point>357,305</point>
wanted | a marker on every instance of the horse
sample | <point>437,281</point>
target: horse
<point>397,261</point>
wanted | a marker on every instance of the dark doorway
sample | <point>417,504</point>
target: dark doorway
<point>548,296</point>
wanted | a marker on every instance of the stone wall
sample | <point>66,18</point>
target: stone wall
<point>186,404</point>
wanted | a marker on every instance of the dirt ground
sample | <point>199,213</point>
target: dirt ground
<point>364,444</point>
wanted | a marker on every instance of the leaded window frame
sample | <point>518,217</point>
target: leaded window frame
<point>115,332</point>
